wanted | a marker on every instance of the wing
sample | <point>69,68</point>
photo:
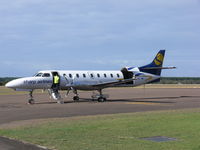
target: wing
<point>81,86</point>
<point>107,84</point>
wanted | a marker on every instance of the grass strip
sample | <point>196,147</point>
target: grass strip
<point>115,132</point>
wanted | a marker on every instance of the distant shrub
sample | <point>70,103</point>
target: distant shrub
<point>180,80</point>
<point>5,80</point>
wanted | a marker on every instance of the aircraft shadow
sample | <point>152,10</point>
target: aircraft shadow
<point>161,100</point>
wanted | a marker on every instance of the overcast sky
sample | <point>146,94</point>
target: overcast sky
<point>98,35</point>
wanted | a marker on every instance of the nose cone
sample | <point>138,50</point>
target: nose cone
<point>14,83</point>
<point>9,84</point>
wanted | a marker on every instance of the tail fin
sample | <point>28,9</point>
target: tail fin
<point>156,66</point>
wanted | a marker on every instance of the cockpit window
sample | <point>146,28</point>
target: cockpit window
<point>46,75</point>
<point>38,75</point>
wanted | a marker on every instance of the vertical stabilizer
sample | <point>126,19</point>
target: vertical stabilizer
<point>157,62</point>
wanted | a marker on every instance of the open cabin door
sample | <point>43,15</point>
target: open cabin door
<point>53,76</point>
<point>127,75</point>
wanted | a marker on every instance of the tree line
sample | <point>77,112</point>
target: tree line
<point>180,80</point>
<point>5,80</point>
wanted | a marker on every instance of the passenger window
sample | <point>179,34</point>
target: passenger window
<point>105,75</point>
<point>111,75</point>
<point>46,75</point>
<point>70,75</point>
<point>98,75</point>
<point>91,75</point>
<point>118,75</point>
<point>84,76</point>
<point>77,75</point>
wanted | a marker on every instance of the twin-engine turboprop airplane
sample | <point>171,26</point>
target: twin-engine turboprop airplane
<point>90,80</point>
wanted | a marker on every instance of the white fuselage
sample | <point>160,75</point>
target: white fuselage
<point>81,80</point>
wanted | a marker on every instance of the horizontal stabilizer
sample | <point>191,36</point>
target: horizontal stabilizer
<point>149,68</point>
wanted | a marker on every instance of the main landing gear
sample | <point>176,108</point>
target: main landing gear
<point>100,97</point>
<point>76,97</point>
<point>31,100</point>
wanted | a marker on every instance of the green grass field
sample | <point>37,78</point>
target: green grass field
<point>115,132</point>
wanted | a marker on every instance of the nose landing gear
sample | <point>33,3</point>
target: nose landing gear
<point>31,100</point>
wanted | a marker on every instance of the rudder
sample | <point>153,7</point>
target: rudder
<point>156,63</point>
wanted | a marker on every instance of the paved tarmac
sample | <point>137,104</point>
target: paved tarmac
<point>122,100</point>
<point>8,144</point>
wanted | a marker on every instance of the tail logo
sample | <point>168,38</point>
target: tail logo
<point>159,59</point>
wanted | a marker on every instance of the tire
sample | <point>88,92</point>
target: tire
<point>101,99</point>
<point>31,101</point>
<point>76,98</point>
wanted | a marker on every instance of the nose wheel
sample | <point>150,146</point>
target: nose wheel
<point>31,100</point>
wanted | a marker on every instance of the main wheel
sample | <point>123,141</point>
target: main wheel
<point>31,101</point>
<point>101,99</point>
<point>76,98</point>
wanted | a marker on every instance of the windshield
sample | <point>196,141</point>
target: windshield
<point>38,75</point>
